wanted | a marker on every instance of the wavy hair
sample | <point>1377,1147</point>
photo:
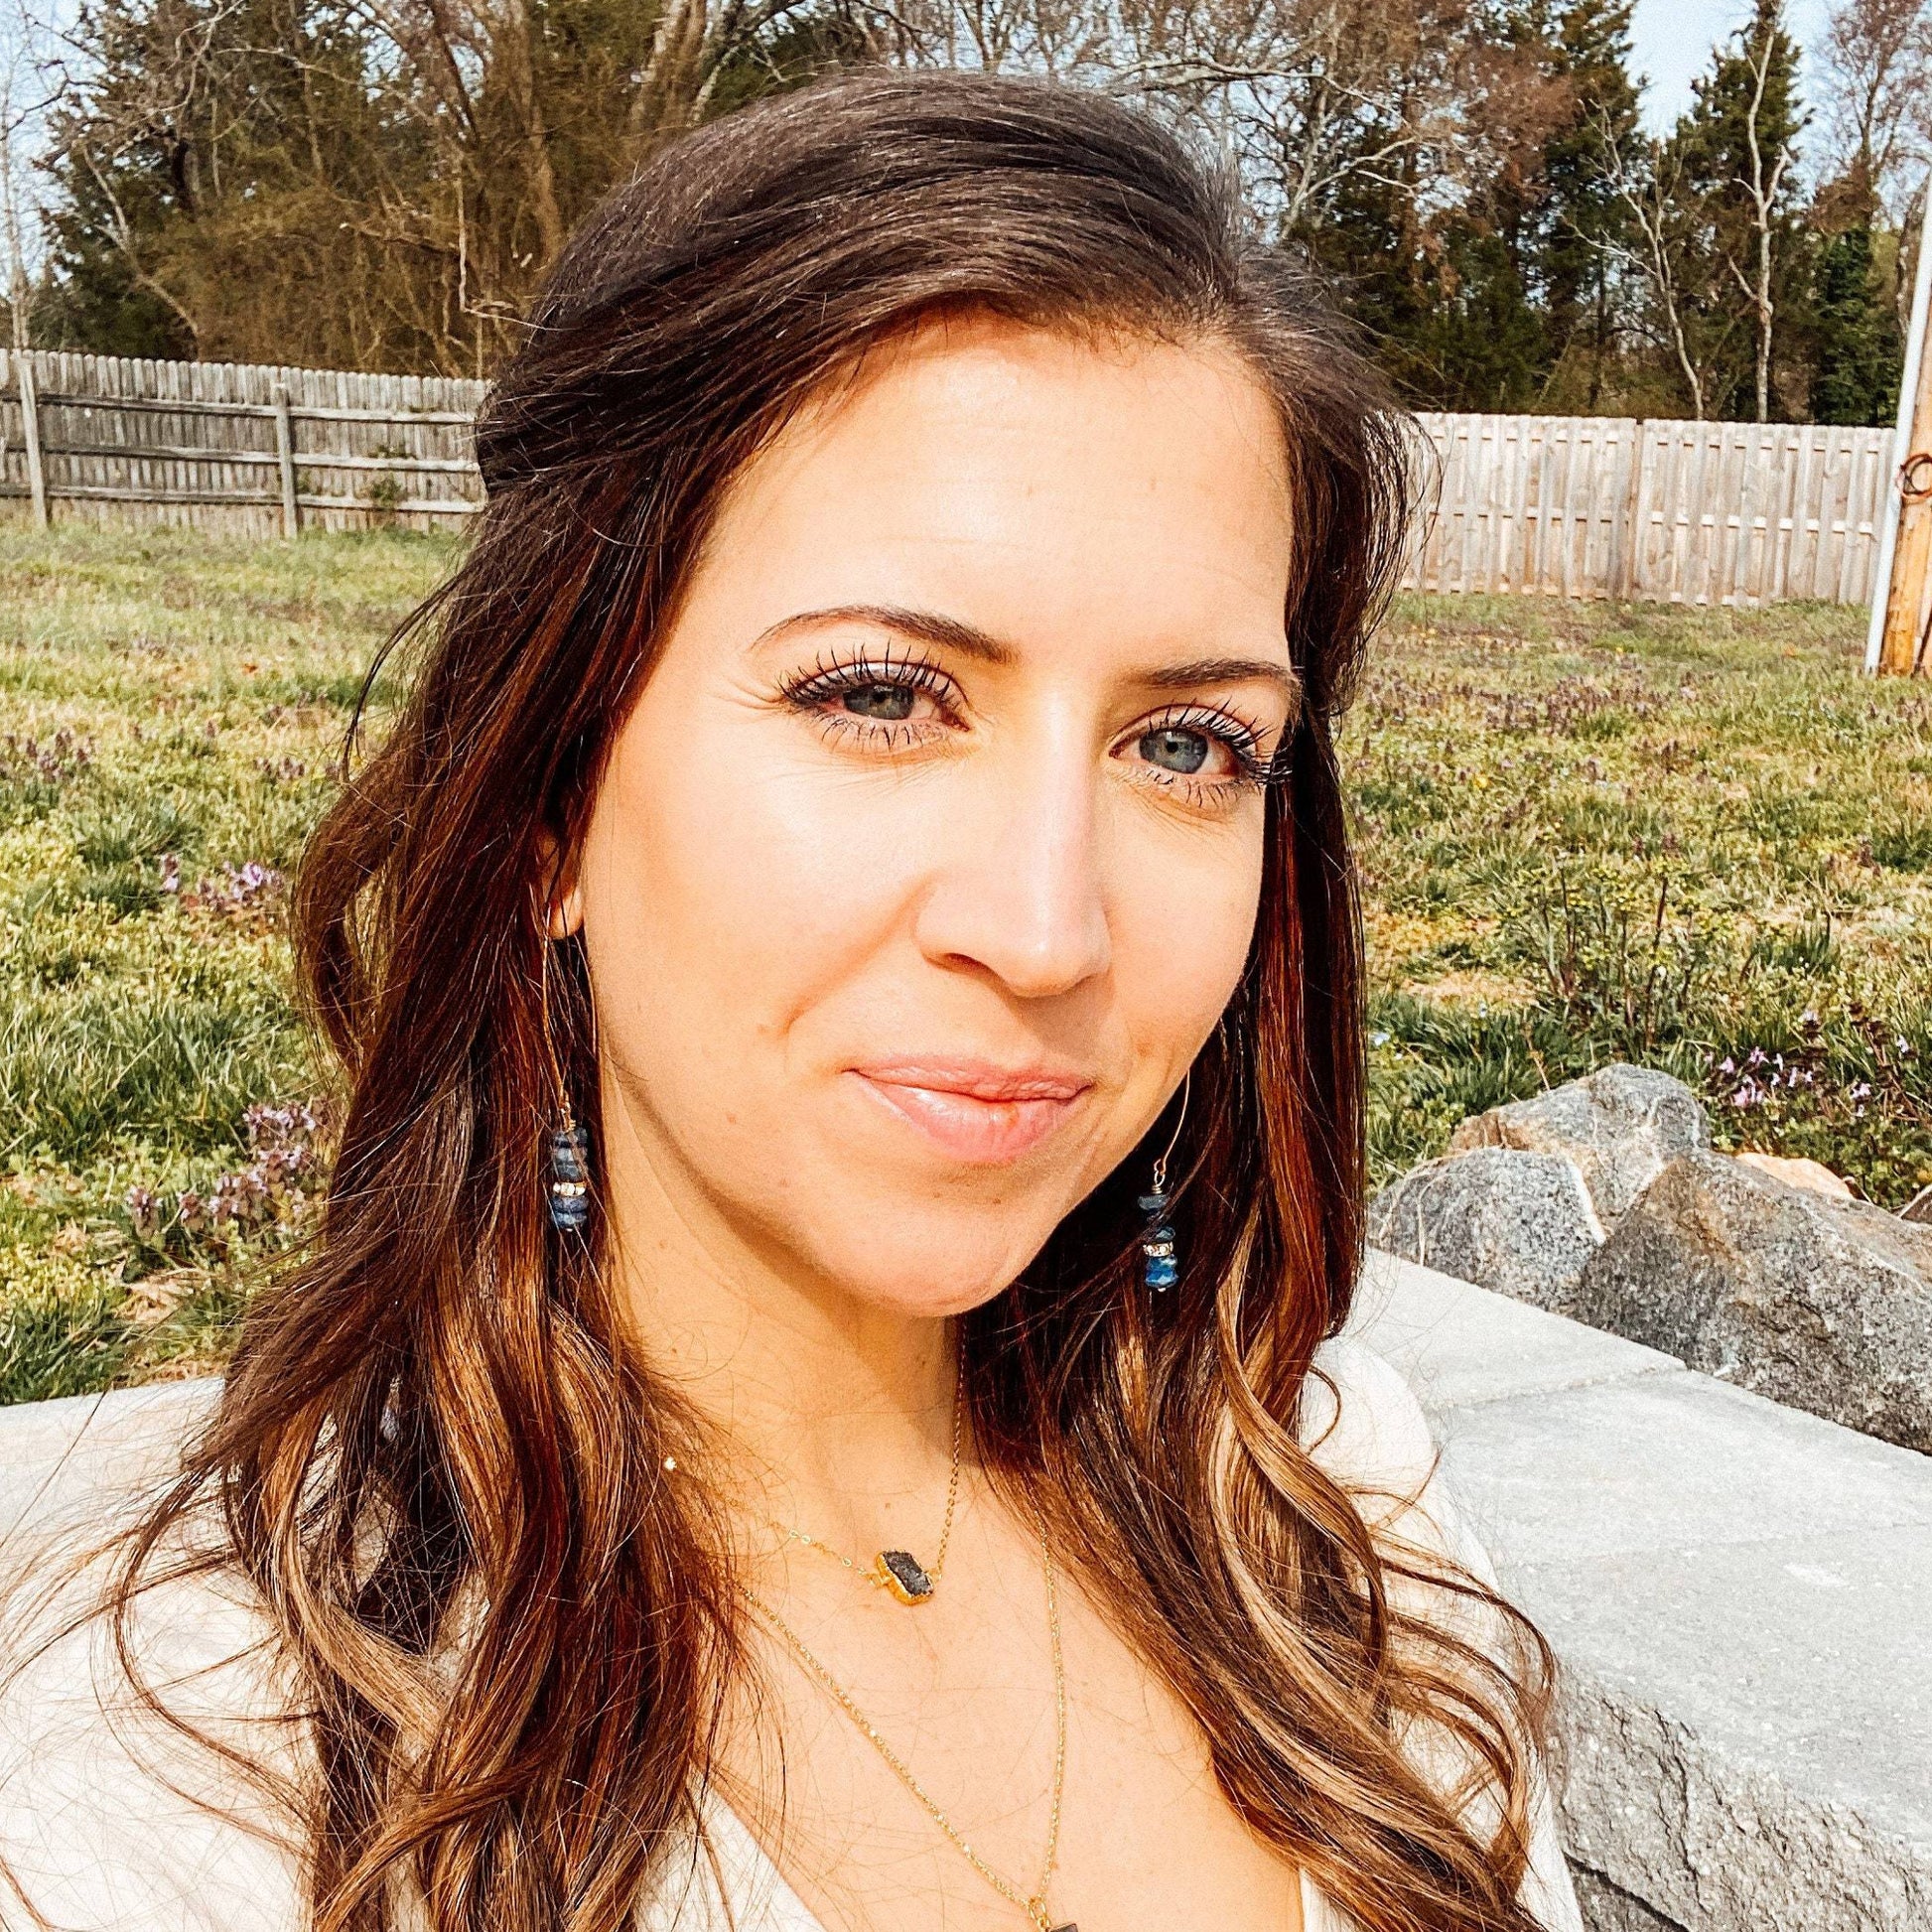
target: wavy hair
<point>437,1461</point>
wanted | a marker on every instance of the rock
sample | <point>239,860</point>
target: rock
<point>1918,1208</point>
<point>1519,1223</point>
<point>1620,1126</point>
<point>1796,1171</point>
<point>1821,1303</point>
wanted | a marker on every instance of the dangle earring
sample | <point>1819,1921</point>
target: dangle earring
<point>1160,1260</point>
<point>568,1190</point>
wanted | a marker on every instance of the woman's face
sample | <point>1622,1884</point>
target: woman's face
<point>930,855</point>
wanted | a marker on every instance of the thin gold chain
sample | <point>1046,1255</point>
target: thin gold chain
<point>868,1572</point>
<point>1032,1903</point>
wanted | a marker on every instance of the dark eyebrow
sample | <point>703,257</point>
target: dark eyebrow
<point>953,634</point>
<point>1225,670</point>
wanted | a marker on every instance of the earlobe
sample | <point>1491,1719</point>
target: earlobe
<point>566,914</point>
<point>559,897</point>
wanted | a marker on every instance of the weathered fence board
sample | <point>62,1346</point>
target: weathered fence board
<point>1676,511</point>
<point>1563,505</point>
<point>203,443</point>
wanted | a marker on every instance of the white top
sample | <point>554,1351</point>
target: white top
<point>100,1821</point>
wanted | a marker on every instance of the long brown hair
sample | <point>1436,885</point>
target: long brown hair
<point>436,1457</point>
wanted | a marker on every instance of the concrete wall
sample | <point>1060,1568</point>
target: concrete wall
<point>1740,1595</point>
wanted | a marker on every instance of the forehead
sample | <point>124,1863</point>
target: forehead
<point>1045,487</point>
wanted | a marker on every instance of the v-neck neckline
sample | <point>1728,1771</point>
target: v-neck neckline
<point>759,1897</point>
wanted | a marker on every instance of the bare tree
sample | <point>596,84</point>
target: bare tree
<point>1768,160</point>
<point>20,104</point>
<point>1878,75</point>
<point>1649,183</point>
<point>1308,96</point>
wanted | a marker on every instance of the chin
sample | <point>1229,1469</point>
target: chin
<point>947,1274</point>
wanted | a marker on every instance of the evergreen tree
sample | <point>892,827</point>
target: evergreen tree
<point>1740,144</point>
<point>1585,223</point>
<point>1439,273</point>
<point>1858,350</point>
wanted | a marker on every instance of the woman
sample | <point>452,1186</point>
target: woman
<point>805,1410</point>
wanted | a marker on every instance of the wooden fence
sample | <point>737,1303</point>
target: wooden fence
<point>1662,510</point>
<point>1564,505</point>
<point>246,450</point>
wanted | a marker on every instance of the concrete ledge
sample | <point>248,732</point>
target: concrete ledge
<point>1737,1593</point>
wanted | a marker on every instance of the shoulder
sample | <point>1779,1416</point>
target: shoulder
<point>1363,1427</point>
<point>110,1815</point>
<point>1361,1420</point>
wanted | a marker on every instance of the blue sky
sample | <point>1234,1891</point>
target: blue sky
<point>1673,40</point>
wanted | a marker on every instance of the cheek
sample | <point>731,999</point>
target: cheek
<point>1183,920</point>
<point>727,891</point>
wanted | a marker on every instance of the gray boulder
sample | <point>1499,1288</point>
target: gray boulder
<point>1519,1223</point>
<point>1818,1301</point>
<point>1621,1126</point>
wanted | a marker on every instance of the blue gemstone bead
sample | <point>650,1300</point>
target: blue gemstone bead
<point>1162,1271</point>
<point>570,1148</point>
<point>570,1212</point>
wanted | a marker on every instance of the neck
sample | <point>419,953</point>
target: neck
<point>831,1414</point>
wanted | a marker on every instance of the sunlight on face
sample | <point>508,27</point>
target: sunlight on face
<point>929,856</point>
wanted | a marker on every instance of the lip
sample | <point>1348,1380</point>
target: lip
<point>974,1111</point>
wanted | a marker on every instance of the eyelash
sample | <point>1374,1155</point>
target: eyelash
<point>824,680</point>
<point>811,689</point>
<point>1241,737</point>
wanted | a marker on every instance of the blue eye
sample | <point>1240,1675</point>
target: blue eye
<point>1176,750</point>
<point>889,702</point>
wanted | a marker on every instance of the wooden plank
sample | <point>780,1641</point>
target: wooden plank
<point>205,406</point>
<point>285,466</point>
<point>145,494</point>
<point>1626,550</point>
<point>455,418</point>
<point>161,451</point>
<point>205,454</point>
<point>25,378</point>
<point>409,506</point>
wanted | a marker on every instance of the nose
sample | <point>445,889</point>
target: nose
<point>1020,891</point>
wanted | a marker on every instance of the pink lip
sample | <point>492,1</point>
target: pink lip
<point>973,1110</point>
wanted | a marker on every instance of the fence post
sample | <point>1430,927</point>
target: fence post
<point>1634,509</point>
<point>1894,642</point>
<point>285,462</point>
<point>30,430</point>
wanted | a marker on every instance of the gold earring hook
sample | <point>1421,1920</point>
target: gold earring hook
<point>1174,1139</point>
<point>549,1037</point>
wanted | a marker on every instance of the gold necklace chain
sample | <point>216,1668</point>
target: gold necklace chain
<point>1032,1903</point>
<point>897,1571</point>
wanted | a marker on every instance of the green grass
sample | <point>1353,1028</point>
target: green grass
<point>1700,840</point>
<point>171,716</point>
<point>1587,832</point>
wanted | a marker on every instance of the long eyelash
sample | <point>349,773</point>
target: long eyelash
<point>832,679</point>
<point>1242,739</point>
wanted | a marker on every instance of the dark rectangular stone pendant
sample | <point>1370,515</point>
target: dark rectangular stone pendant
<point>903,1574</point>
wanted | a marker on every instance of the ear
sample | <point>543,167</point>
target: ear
<point>560,895</point>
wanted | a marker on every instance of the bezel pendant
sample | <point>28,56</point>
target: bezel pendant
<point>903,1574</point>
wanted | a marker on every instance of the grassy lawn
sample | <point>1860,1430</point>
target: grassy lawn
<point>1694,839</point>
<point>1699,840</point>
